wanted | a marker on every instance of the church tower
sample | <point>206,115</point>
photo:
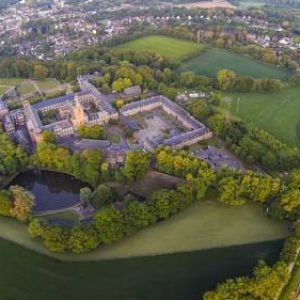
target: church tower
<point>79,117</point>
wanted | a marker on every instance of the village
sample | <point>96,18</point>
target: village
<point>55,29</point>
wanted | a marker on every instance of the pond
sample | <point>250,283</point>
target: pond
<point>53,191</point>
<point>183,276</point>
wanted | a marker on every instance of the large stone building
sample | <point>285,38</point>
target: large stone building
<point>196,131</point>
<point>88,107</point>
<point>64,115</point>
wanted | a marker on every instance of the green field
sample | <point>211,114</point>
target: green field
<point>48,84</point>
<point>189,230</point>
<point>213,60</point>
<point>277,113</point>
<point>6,83</point>
<point>172,48</point>
<point>244,4</point>
<point>27,86</point>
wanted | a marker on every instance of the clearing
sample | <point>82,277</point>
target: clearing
<point>171,48</point>
<point>278,113</point>
<point>213,60</point>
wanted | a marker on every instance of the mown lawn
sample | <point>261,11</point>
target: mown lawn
<point>201,226</point>
<point>48,84</point>
<point>172,48</point>
<point>277,113</point>
<point>213,60</point>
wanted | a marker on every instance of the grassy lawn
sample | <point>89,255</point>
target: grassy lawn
<point>3,89</point>
<point>201,226</point>
<point>277,113</point>
<point>26,88</point>
<point>154,181</point>
<point>213,60</point>
<point>65,215</point>
<point>48,84</point>
<point>10,81</point>
<point>169,47</point>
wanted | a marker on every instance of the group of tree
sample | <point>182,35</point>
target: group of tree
<point>17,203</point>
<point>88,165</point>
<point>110,223</point>
<point>12,157</point>
<point>264,285</point>
<point>251,144</point>
<point>236,188</point>
<point>94,132</point>
<point>229,81</point>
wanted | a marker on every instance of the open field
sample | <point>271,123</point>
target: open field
<point>277,113</point>
<point>48,84</point>
<point>28,86</point>
<point>213,60</point>
<point>172,48</point>
<point>244,4</point>
<point>207,4</point>
<point>6,83</point>
<point>196,228</point>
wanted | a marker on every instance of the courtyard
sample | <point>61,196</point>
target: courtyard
<point>156,125</point>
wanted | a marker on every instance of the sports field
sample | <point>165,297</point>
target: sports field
<point>277,113</point>
<point>201,226</point>
<point>172,48</point>
<point>213,60</point>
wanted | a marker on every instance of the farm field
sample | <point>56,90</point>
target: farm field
<point>190,230</point>
<point>277,113</point>
<point>213,60</point>
<point>172,48</point>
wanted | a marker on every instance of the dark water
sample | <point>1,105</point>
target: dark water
<point>52,190</point>
<point>184,276</point>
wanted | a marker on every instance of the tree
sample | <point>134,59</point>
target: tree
<point>5,203</point>
<point>291,200</point>
<point>85,195</point>
<point>94,132</point>
<point>110,224</point>
<point>23,203</point>
<point>49,137</point>
<point>83,238</point>
<point>226,79</point>
<point>40,72</point>
<point>139,214</point>
<point>119,103</point>
<point>229,190</point>
<point>103,195</point>
<point>137,165</point>
<point>198,109</point>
